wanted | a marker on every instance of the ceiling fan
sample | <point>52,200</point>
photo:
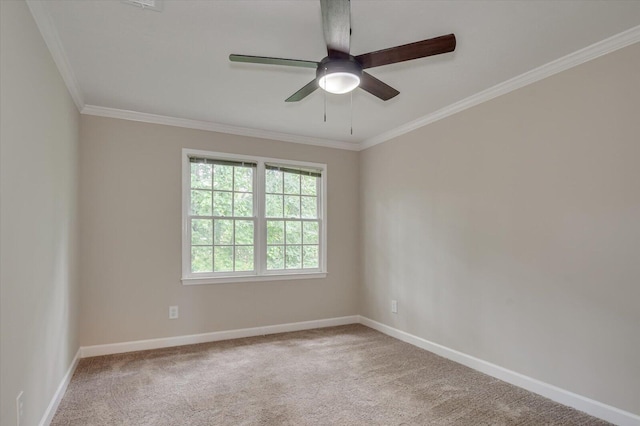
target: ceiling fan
<point>340,72</point>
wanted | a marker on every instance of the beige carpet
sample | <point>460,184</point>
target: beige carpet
<point>350,375</point>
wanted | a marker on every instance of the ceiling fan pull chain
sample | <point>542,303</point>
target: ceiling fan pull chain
<point>351,93</point>
<point>325,95</point>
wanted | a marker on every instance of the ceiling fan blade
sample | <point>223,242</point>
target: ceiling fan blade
<point>273,61</point>
<point>376,87</point>
<point>304,92</point>
<point>406,52</point>
<point>336,22</point>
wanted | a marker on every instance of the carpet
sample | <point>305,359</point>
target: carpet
<point>348,375</point>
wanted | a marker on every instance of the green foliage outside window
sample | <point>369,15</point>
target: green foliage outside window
<point>221,242</point>
<point>293,240</point>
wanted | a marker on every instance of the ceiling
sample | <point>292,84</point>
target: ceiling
<point>175,63</point>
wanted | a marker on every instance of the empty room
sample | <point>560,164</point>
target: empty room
<point>319,212</point>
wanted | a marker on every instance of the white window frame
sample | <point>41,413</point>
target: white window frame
<point>260,230</point>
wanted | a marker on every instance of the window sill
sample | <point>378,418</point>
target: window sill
<point>253,278</point>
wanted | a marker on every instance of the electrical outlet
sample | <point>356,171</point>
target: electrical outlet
<point>394,306</point>
<point>20,408</point>
<point>173,312</point>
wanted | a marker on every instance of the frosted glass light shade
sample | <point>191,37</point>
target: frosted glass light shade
<point>339,82</point>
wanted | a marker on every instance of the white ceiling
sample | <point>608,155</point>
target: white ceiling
<point>175,62</point>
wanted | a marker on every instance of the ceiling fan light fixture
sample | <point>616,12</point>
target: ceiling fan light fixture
<point>339,82</point>
<point>338,75</point>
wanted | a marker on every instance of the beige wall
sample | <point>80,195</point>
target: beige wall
<point>511,231</point>
<point>38,231</point>
<point>130,196</point>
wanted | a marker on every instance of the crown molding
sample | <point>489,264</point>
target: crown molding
<point>214,127</point>
<point>52,40</point>
<point>571,60</point>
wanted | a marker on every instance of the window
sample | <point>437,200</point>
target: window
<point>222,215</point>
<point>251,218</point>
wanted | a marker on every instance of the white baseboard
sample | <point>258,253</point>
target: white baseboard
<point>562,396</point>
<point>165,342</point>
<point>62,388</point>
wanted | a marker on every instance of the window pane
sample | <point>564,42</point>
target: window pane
<point>294,232</point>
<point>243,204</point>
<point>274,181</point>
<point>291,206</point>
<point>223,258</point>
<point>309,185</point>
<point>223,232</point>
<point>202,232</point>
<point>291,183</point>
<point>201,203</point>
<point>222,204</point>
<point>222,177</point>
<point>275,257</point>
<point>309,207</point>
<point>244,258</point>
<point>275,232</point>
<point>201,259</point>
<point>201,175</point>
<point>274,206</point>
<point>310,232</point>
<point>243,180</point>
<point>293,257</point>
<point>244,232</point>
<point>310,258</point>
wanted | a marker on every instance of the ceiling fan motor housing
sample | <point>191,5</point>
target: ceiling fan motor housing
<point>339,75</point>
